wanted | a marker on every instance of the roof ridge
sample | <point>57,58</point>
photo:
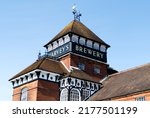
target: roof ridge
<point>130,69</point>
<point>42,60</point>
<point>73,22</point>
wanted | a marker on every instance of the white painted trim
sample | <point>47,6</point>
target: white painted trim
<point>105,78</point>
<point>65,66</point>
<point>34,78</point>
<point>73,67</point>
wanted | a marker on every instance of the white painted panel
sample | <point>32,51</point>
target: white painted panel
<point>89,43</point>
<point>50,47</point>
<point>66,38</point>
<point>72,81</point>
<point>103,48</point>
<point>61,41</point>
<point>82,41</point>
<point>96,46</point>
<point>75,38</point>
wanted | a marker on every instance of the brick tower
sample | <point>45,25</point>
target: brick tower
<point>71,70</point>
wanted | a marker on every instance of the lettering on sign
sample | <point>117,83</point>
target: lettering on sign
<point>78,49</point>
<point>59,51</point>
<point>88,52</point>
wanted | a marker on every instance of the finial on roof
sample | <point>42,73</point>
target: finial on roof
<point>39,55</point>
<point>76,13</point>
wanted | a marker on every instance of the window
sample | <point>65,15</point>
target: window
<point>140,99</point>
<point>24,94</point>
<point>81,66</point>
<point>103,48</point>
<point>74,95</point>
<point>96,46</point>
<point>96,70</point>
<point>64,95</point>
<point>75,38</point>
<point>82,41</point>
<point>89,44</point>
<point>85,94</point>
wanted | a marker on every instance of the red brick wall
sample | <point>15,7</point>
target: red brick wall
<point>89,66</point>
<point>39,90</point>
<point>66,60</point>
<point>73,60</point>
<point>32,91</point>
<point>47,91</point>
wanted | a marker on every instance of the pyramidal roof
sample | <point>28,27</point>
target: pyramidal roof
<point>76,27</point>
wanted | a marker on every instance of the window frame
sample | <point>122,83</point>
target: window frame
<point>85,94</point>
<point>96,69</point>
<point>24,94</point>
<point>75,96</point>
<point>81,66</point>
<point>64,94</point>
<point>141,98</point>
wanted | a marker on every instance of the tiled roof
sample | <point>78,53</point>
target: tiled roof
<point>125,83</point>
<point>80,29</point>
<point>82,75</point>
<point>46,64</point>
<point>51,65</point>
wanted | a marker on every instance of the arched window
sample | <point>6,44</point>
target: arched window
<point>64,95</point>
<point>24,94</point>
<point>85,94</point>
<point>74,95</point>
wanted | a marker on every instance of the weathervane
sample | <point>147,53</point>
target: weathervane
<point>76,13</point>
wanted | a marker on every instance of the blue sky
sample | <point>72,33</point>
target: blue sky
<point>25,26</point>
